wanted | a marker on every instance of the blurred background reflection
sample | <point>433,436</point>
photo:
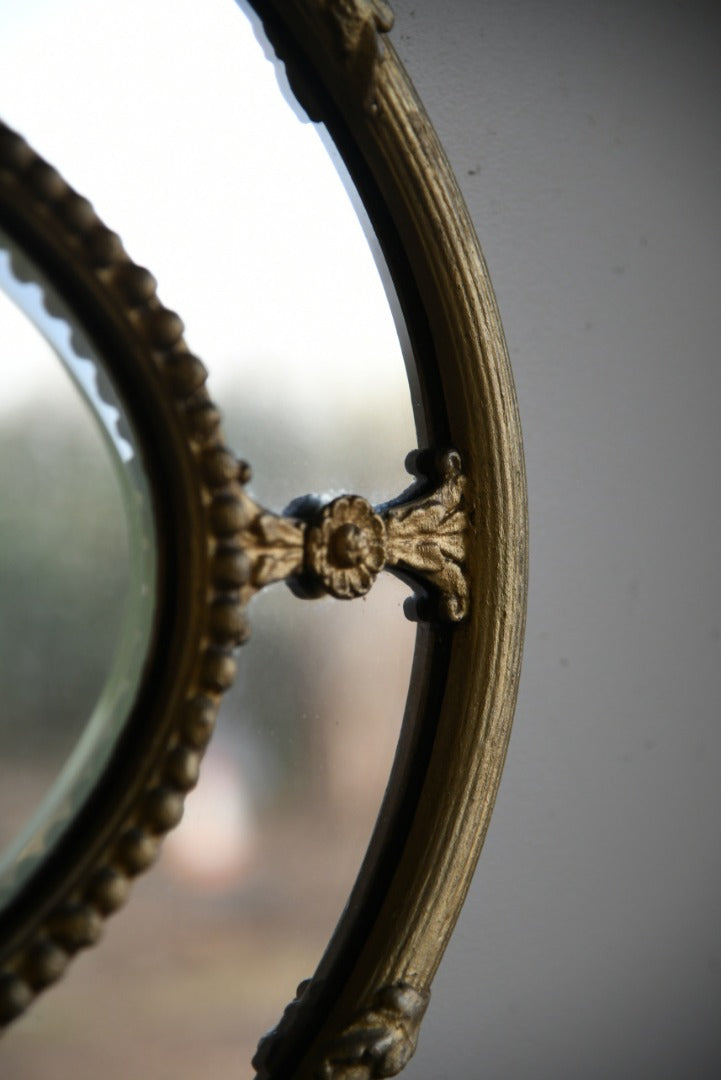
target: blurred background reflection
<point>170,118</point>
<point>77,572</point>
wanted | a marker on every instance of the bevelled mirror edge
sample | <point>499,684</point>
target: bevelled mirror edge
<point>197,622</point>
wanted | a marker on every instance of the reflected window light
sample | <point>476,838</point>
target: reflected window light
<point>168,116</point>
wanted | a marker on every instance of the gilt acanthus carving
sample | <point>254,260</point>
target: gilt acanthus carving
<point>357,23</point>
<point>273,545</point>
<point>340,548</point>
<point>428,537</point>
<point>348,33</point>
<point>381,1040</point>
<point>378,1042</point>
<point>356,26</point>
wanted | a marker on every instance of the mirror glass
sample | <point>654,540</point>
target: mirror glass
<point>77,567</point>
<point>170,116</point>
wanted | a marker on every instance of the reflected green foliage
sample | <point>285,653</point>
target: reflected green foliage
<point>63,578</point>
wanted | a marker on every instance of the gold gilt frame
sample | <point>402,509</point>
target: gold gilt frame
<point>460,535</point>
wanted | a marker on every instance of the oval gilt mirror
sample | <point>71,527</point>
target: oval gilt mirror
<point>292,199</point>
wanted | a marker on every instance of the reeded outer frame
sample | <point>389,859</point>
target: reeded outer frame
<point>359,1016</point>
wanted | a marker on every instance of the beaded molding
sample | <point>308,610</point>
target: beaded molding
<point>96,252</point>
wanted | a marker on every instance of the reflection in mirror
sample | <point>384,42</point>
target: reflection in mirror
<point>235,205</point>
<point>77,569</point>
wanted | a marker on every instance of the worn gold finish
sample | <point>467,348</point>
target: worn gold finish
<point>354,26</point>
<point>461,535</point>
<point>340,548</point>
<point>431,827</point>
<point>378,1041</point>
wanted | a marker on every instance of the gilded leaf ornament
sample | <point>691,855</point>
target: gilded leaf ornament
<point>340,547</point>
<point>356,24</point>
<point>378,1041</point>
<point>428,537</point>
<point>381,1040</point>
<point>355,27</point>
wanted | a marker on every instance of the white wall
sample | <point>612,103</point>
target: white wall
<point>586,139</point>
